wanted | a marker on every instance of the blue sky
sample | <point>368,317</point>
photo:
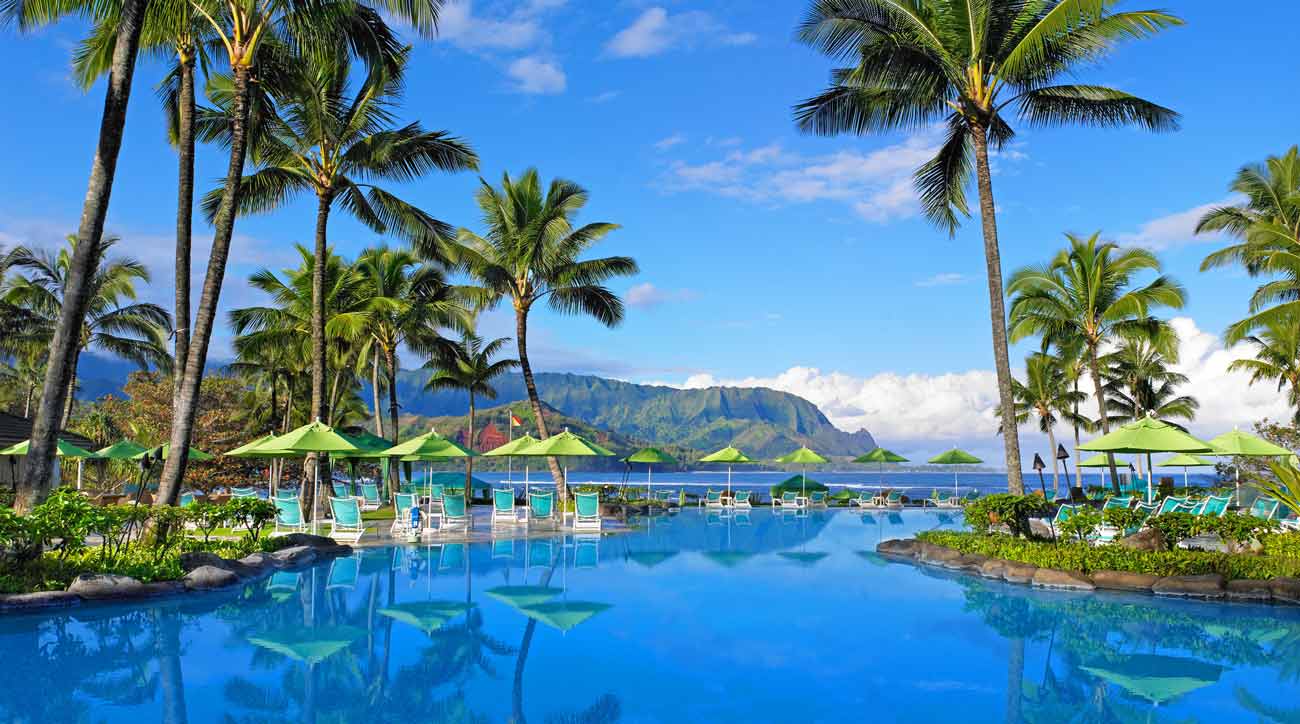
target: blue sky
<point>766,256</point>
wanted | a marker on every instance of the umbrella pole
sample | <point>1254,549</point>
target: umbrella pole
<point>728,481</point>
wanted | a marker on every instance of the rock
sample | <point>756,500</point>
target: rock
<point>1147,539</point>
<point>1285,589</point>
<point>335,551</point>
<point>1209,585</point>
<point>256,560</point>
<point>1124,580</point>
<point>39,599</point>
<point>1050,578</point>
<point>1018,572</point>
<point>196,559</point>
<point>993,568</point>
<point>968,562</point>
<point>93,586</point>
<point>309,540</point>
<point>937,555</point>
<point>900,547</point>
<point>206,578</point>
<point>1245,589</point>
<point>161,588</point>
<point>295,555</point>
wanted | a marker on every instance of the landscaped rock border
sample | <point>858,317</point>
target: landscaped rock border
<point>203,572</point>
<point>1205,587</point>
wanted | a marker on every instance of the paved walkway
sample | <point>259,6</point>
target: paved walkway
<point>481,530</point>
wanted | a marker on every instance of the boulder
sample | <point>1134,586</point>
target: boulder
<point>161,588</point>
<point>900,547</point>
<point>206,578</point>
<point>1018,572</point>
<point>197,559</point>
<point>938,555</point>
<point>295,555</point>
<point>1285,590</point>
<point>1245,589</point>
<point>1124,580</point>
<point>96,586</point>
<point>967,562</point>
<point>1051,578</point>
<point>1147,539</point>
<point>1209,585</point>
<point>309,540</point>
<point>993,568</point>
<point>38,599</point>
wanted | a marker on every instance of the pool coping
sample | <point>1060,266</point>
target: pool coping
<point>1207,587</point>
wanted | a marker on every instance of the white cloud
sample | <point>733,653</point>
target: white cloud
<point>656,31</point>
<point>457,24</point>
<point>664,144</point>
<point>1173,230</point>
<point>646,295</point>
<point>877,185</point>
<point>942,280</point>
<point>535,75</point>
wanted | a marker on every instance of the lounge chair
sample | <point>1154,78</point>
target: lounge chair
<point>941,499</point>
<point>586,511</point>
<point>788,499</point>
<point>286,494</point>
<point>370,497</point>
<point>187,499</point>
<point>669,498</point>
<point>243,493</point>
<point>403,503</point>
<point>541,509</point>
<point>341,490</point>
<point>503,507</point>
<point>712,499</point>
<point>1212,506</point>
<point>894,499</point>
<point>344,573</point>
<point>1265,508</point>
<point>454,513</point>
<point>864,499</point>
<point>741,500</point>
<point>1172,504</point>
<point>406,488</point>
<point>288,517</point>
<point>1063,514</point>
<point>586,551</point>
<point>817,499</point>
<point>346,524</point>
<point>283,582</point>
<point>1117,501</point>
<point>452,557</point>
<point>503,549</point>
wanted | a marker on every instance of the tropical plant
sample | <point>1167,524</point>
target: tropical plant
<point>530,253</point>
<point>1087,295</point>
<point>1140,383</point>
<point>1265,230</point>
<point>1277,357</point>
<point>1284,483</point>
<point>114,323</point>
<point>244,28</point>
<point>970,64</point>
<point>1008,509</point>
<point>470,367</point>
<point>1046,395</point>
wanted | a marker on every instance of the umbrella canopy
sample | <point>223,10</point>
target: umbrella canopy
<point>523,596</point>
<point>729,559</point>
<point>64,449</point>
<point>1181,460</point>
<point>164,450</point>
<point>954,457</point>
<point>806,560</point>
<point>651,456</point>
<point>802,456</point>
<point>564,615</point>
<point>370,445</point>
<point>429,446</point>
<point>1147,435</point>
<point>1243,444</point>
<point>256,449</point>
<point>729,455</point>
<point>511,448</point>
<point>1155,677</point>
<point>120,450</point>
<point>650,559</point>
<point>428,616</point>
<point>309,645</point>
<point>1096,461</point>
<point>796,483</point>
<point>880,455</point>
<point>566,444</point>
<point>312,437</point>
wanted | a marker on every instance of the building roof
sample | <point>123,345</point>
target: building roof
<point>15,428</point>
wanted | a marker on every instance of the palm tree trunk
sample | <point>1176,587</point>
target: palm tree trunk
<point>1015,681</point>
<point>275,399</point>
<point>521,339</point>
<point>1075,422</point>
<point>390,359</point>
<point>27,403</point>
<point>374,387</point>
<point>288,403</point>
<point>171,678</point>
<point>184,216</point>
<point>72,391</point>
<point>187,401</point>
<point>1094,370</point>
<point>38,464</point>
<point>336,388</point>
<point>1056,464</point>
<point>997,312</point>
<point>469,443</point>
<point>319,405</point>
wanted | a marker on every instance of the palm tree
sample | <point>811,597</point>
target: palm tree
<point>1266,233</point>
<point>470,367</point>
<point>1086,295</point>
<point>530,254</point>
<point>1046,394</point>
<point>1277,358</point>
<point>38,464</point>
<point>320,139</point>
<point>114,323</point>
<point>1140,383</point>
<point>970,63</point>
<point>244,30</point>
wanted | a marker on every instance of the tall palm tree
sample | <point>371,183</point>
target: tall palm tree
<point>1277,358</point>
<point>530,254</point>
<point>1046,394</point>
<point>1140,383</point>
<point>971,64</point>
<point>1087,295</point>
<point>1265,230</point>
<point>470,367</point>
<point>244,29</point>
<point>1074,361</point>
<point>114,323</point>
<point>322,138</point>
<point>38,464</point>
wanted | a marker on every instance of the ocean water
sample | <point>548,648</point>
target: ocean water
<point>695,617</point>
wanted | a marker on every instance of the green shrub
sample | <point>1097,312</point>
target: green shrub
<point>206,517</point>
<point>1174,527</point>
<point>1285,545</point>
<point>251,513</point>
<point>63,521</point>
<point>1012,510</point>
<point>1082,523</point>
<point>1123,518</point>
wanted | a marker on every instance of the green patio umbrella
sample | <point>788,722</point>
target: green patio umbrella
<point>1185,461</point>
<point>63,449</point>
<point>802,457</point>
<point>880,456</point>
<point>162,452</point>
<point>564,445</point>
<point>308,645</point>
<point>523,596</point>
<point>954,457</point>
<point>509,451</point>
<point>1147,435</point>
<point>120,450</point>
<point>314,437</point>
<point>1155,677</point>
<point>806,560</point>
<point>730,456</point>
<point>1240,444</point>
<point>1100,460</point>
<point>257,449</point>
<point>428,616</point>
<point>728,559</point>
<point>564,615</point>
<point>429,447</point>
<point>650,456</point>
<point>371,447</point>
<point>650,559</point>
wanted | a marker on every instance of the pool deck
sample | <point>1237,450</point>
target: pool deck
<point>480,530</point>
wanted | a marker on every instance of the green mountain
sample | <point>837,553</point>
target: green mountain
<point>764,423</point>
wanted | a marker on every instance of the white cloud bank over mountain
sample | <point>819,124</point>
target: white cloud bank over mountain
<point>919,415</point>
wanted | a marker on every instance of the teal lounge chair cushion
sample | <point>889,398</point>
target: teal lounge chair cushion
<point>503,499</point>
<point>453,506</point>
<point>587,505</point>
<point>243,493</point>
<point>370,492</point>
<point>541,505</point>
<point>287,512</point>
<point>404,502</point>
<point>346,512</point>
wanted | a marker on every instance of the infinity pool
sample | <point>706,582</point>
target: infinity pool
<point>695,618</point>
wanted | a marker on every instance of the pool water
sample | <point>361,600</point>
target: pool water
<point>697,617</point>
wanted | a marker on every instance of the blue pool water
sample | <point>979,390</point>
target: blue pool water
<point>694,618</point>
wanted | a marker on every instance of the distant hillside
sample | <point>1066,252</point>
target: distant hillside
<point>760,421</point>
